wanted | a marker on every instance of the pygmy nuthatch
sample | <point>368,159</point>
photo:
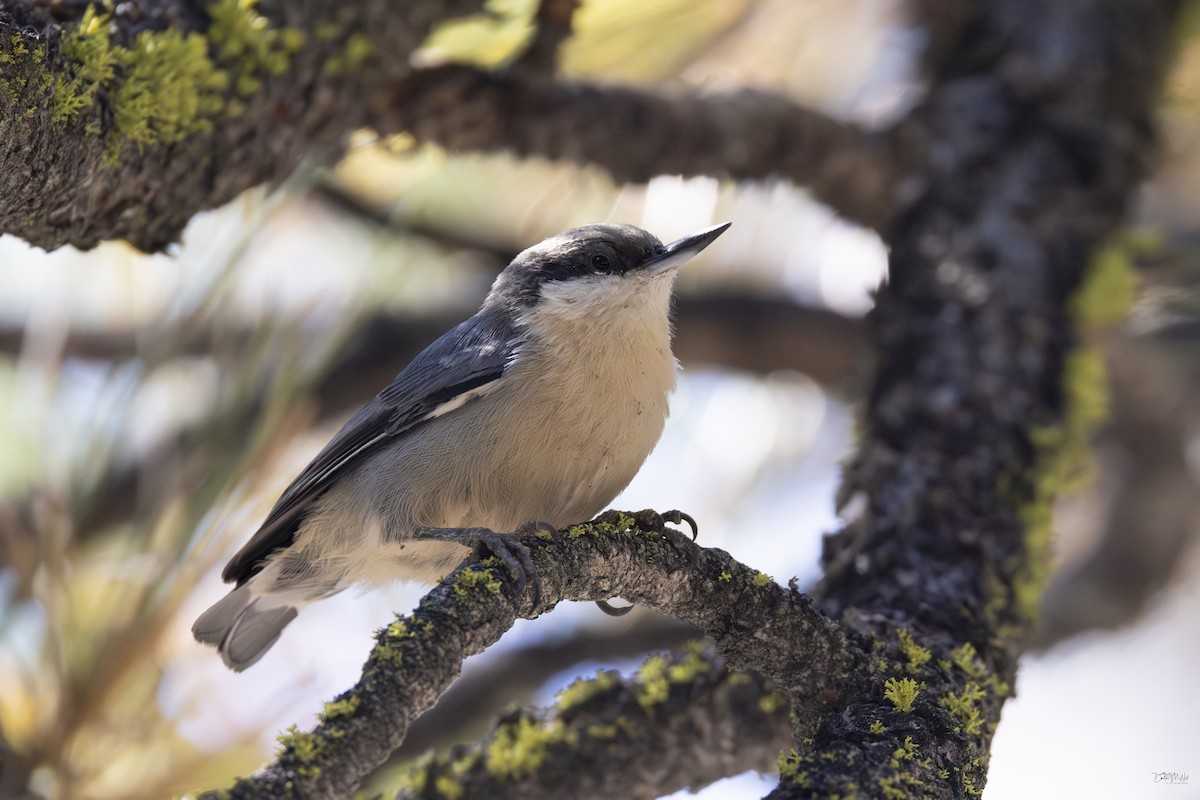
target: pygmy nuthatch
<point>541,407</point>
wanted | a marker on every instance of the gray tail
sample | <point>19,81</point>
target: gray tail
<point>242,627</point>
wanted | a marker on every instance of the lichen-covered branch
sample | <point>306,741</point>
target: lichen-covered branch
<point>683,721</point>
<point>636,134</point>
<point>124,123</point>
<point>470,705</point>
<point>754,623</point>
<point>1038,129</point>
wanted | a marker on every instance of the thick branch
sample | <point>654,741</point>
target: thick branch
<point>754,622</point>
<point>470,706</point>
<point>1037,129</point>
<point>127,126</point>
<point>682,722</point>
<point>636,135</point>
<point>124,124</point>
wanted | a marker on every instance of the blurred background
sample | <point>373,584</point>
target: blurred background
<point>153,407</point>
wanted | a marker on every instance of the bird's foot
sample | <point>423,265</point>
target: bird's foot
<point>512,553</point>
<point>649,521</point>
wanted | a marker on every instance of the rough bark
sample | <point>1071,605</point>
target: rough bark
<point>99,141</point>
<point>1038,130</point>
<point>90,150</point>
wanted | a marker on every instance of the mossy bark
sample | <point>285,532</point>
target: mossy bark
<point>123,121</point>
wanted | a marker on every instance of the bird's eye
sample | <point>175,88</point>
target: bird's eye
<point>600,262</point>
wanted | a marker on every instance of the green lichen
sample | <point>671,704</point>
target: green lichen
<point>305,748</point>
<point>355,53</point>
<point>171,88</point>
<point>169,84</point>
<point>966,659</point>
<point>762,579</point>
<point>95,61</point>
<point>1064,460</point>
<point>519,748</point>
<point>877,728</point>
<point>770,702</point>
<point>902,693</point>
<point>917,656</point>
<point>336,709</point>
<point>790,766</point>
<point>599,731</point>
<point>245,40</point>
<point>905,752</point>
<point>581,691</point>
<point>725,576</point>
<point>623,524</point>
<point>964,707</point>
<point>449,787</point>
<point>470,579</point>
<point>653,685</point>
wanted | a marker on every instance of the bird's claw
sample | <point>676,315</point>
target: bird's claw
<point>651,521</point>
<point>513,554</point>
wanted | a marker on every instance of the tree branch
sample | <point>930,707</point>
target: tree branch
<point>124,124</point>
<point>470,705</point>
<point>980,402</point>
<point>552,27</point>
<point>754,622</point>
<point>682,722</point>
<point>636,135</point>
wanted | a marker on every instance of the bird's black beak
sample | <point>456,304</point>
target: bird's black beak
<point>678,252</point>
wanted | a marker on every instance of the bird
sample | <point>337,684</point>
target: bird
<point>541,407</point>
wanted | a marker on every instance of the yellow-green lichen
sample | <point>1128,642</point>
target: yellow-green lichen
<point>964,707</point>
<point>471,578</point>
<point>355,53</point>
<point>877,728</point>
<point>965,659</point>
<point>916,654</point>
<point>762,579</point>
<point>902,692</point>
<point>725,576</point>
<point>449,787</point>
<point>653,685</point>
<point>169,84</point>
<point>598,528</point>
<point>1110,286</point>
<point>305,748</point>
<point>94,59</point>
<point>245,39</point>
<point>905,752</point>
<point>171,88</point>
<point>1064,460</point>
<point>581,691</point>
<point>340,708</point>
<point>770,702</point>
<point>790,765</point>
<point>519,748</point>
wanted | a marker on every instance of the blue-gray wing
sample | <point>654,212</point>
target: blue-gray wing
<point>453,370</point>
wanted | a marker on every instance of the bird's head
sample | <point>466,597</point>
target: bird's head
<point>596,269</point>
